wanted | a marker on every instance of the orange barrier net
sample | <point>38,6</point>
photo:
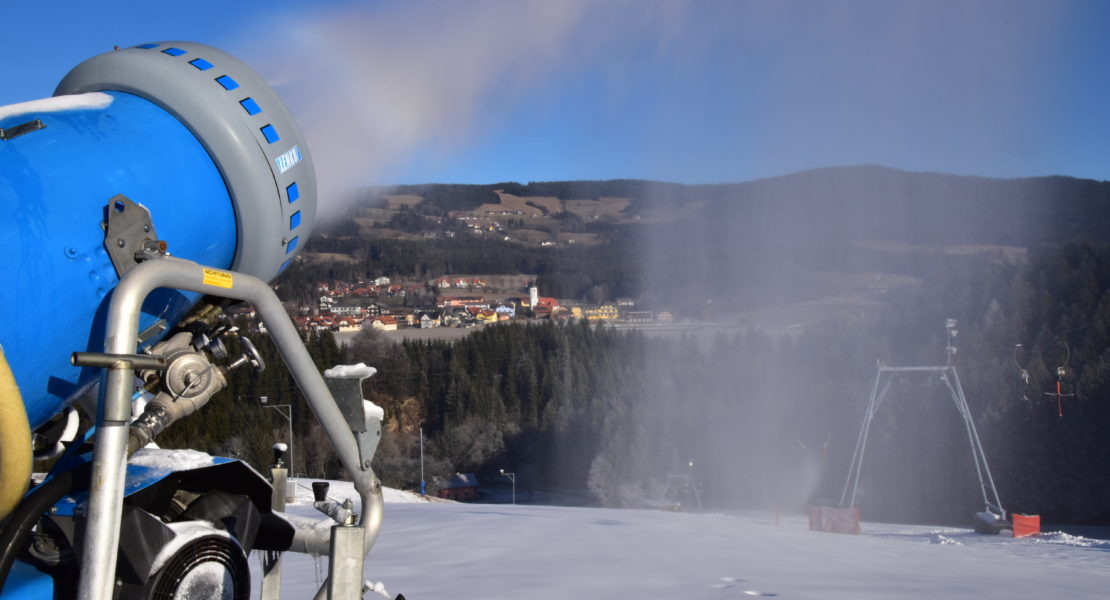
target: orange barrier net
<point>1026,525</point>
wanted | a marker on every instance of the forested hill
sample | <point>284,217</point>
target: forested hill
<point>754,243</point>
<point>871,202</point>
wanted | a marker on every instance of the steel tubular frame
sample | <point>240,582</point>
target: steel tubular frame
<point>952,380</point>
<point>114,411</point>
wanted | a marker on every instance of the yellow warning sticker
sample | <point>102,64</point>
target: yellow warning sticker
<point>217,278</point>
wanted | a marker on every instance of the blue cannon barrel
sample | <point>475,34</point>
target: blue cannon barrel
<point>186,131</point>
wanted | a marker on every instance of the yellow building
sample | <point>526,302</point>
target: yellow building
<point>603,312</point>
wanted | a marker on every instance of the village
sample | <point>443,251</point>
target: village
<point>459,302</point>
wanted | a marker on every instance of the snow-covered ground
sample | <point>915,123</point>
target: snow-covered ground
<point>447,550</point>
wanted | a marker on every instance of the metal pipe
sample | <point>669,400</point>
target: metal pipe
<point>861,439</point>
<point>882,395</point>
<point>109,459</point>
<point>965,413</point>
<point>867,430</point>
<point>310,536</point>
<point>99,359</point>
<point>373,512</point>
<point>271,560</point>
<point>979,445</point>
<point>877,402</point>
<point>105,505</point>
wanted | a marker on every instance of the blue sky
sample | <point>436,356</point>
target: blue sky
<point>692,92</point>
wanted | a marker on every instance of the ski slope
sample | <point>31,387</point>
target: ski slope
<point>448,550</point>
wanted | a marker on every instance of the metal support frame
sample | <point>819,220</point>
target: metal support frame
<point>682,483</point>
<point>885,378</point>
<point>105,503</point>
<point>271,561</point>
<point>345,569</point>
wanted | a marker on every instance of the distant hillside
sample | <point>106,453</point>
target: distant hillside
<point>882,203</point>
<point>753,243</point>
<point>870,202</point>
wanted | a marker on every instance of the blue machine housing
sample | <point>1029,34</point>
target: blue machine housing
<point>183,129</point>
<point>25,581</point>
<point>56,185</point>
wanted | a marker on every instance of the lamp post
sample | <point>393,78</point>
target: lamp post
<point>694,486</point>
<point>288,414</point>
<point>422,484</point>
<point>512,478</point>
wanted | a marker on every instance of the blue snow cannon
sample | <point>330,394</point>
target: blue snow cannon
<point>168,149</point>
<point>182,129</point>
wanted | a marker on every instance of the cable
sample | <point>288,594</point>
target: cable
<point>23,519</point>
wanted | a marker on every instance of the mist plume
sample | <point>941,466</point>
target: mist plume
<point>377,87</point>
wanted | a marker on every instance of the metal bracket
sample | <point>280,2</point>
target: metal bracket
<point>129,235</point>
<point>155,328</point>
<point>22,128</point>
<point>347,390</point>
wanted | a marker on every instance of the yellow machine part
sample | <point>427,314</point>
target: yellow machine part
<point>15,442</point>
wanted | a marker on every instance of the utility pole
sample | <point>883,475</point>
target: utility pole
<point>423,485</point>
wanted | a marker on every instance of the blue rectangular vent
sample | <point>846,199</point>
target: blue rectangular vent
<point>201,64</point>
<point>147,46</point>
<point>270,133</point>
<point>226,81</point>
<point>293,192</point>
<point>173,51</point>
<point>292,244</point>
<point>250,106</point>
<point>295,220</point>
<point>285,265</point>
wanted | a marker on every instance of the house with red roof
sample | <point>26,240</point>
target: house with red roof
<point>384,323</point>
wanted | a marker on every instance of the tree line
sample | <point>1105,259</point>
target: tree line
<point>764,420</point>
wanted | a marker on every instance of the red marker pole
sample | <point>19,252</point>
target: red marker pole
<point>1059,400</point>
